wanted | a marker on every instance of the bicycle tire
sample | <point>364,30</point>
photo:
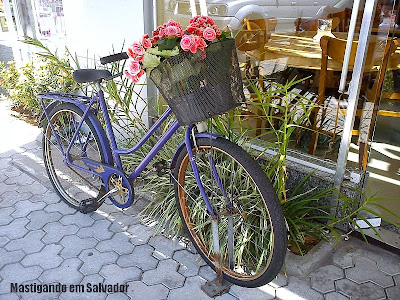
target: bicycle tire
<point>71,184</point>
<point>257,259</point>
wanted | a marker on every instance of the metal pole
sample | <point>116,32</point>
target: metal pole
<point>354,89</point>
<point>149,16</point>
<point>349,44</point>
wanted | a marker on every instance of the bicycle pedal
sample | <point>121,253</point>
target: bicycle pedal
<point>88,205</point>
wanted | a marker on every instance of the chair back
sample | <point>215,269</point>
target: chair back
<point>255,33</point>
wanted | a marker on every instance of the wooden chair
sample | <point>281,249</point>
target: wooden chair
<point>344,18</point>
<point>334,48</point>
<point>312,25</point>
<point>254,35</point>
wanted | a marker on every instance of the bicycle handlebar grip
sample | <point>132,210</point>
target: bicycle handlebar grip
<point>114,57</point>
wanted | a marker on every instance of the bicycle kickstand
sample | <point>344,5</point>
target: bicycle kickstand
<point>218,286</point>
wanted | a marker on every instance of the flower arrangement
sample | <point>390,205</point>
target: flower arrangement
<point>169,40</point>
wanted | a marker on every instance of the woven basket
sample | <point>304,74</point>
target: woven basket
<point>202,85</point>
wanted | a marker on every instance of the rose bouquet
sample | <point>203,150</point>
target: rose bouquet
<point>169,40</point>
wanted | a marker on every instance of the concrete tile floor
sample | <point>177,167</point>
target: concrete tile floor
<point>44,241</point>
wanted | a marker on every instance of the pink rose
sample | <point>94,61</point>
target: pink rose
<point>161,33</point>
<point>135,49</point>
<point>217,30</point>
<point>209,21</point>
<point>134,67</point>
<point>200,43</point>
<point>146,42</point>
<point>171,31</point>
<point>172,23</point>
<point>209,34</point>
<point>187,42</point>
<point>134,78</point>
<point>191,29</point>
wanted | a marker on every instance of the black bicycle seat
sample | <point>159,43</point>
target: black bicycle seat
<point>90,75</point>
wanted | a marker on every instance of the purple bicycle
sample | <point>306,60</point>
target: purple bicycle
<point>227,204</point>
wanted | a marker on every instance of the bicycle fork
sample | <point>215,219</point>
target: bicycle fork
<point>214,217</point>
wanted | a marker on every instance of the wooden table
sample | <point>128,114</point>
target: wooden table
<point>298,50</point>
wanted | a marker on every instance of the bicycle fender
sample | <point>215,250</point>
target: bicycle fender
<point>49,108</point>
<point>181,146</point>
<point>93,119</point>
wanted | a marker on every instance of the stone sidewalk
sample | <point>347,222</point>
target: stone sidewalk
<point>43,241</point>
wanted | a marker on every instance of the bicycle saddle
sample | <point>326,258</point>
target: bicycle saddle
<point>90,75</point>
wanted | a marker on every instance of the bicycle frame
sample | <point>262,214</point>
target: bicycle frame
<point>86,105</point>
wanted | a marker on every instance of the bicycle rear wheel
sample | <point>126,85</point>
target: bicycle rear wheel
<point>72,184</point>
<point>251,226</point>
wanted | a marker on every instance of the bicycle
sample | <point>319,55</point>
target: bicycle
<point>227,204</point>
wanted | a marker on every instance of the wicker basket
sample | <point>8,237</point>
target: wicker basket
<point>200,86</point>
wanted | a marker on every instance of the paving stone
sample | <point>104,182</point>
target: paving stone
<point>35,188</point>
<point>38,219</point>
<point>190,290</point>
<point>207,273</point>
<point>115,274</point>
<point>25,207</point>
<point>16,229</point>
<point>335,296</point>
<point>396,278</point>
<point>137,290</point>
<point>98,230</point>
<point>49,197</point>
<point>323,279</point>
<point>21,180</point>
<point>393,292</point>
<point>386,261</point>
<point>5,215</point>
<point>226,296</point>
<point>141,257</point>
<point>7,187</point>
<point>60,207</point>
<point>10,198</point>
<point>3,241</point>
<point>55,231</point>
<point>94,279</point>
<point>47,258</point>
<point>30,243</point>
<point>164,247</point>
<point>9,257</point>
<point>364,291</point>
<point>9,296</point>
<point>73,245</point>
<point>365,270</point>
<point>38,296</point>
<point>82,220</point>
<point>189,263</point>
<point>265,292</point>
<point>66,273</point>
<point>93,260</point>
<point>4,164</point>
<point>118,296</point>
<point>280,281</point>
<point>119,243</point>
<point>343,255</point>
<point>121,222</point>
<point>140,234</point>
<point>17,273</point>
<point>298,289</point>
<point>12,171</point>
<point>165,273</point>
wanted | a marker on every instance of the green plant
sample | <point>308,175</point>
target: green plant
<point>34,77</point>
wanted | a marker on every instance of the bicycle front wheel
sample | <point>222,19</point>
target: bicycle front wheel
<point>251,226</point>
<point>72,184</point>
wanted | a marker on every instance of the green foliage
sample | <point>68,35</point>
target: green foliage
<point>34,77</point>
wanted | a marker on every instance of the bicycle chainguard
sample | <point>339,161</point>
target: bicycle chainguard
<point>89,205</point>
